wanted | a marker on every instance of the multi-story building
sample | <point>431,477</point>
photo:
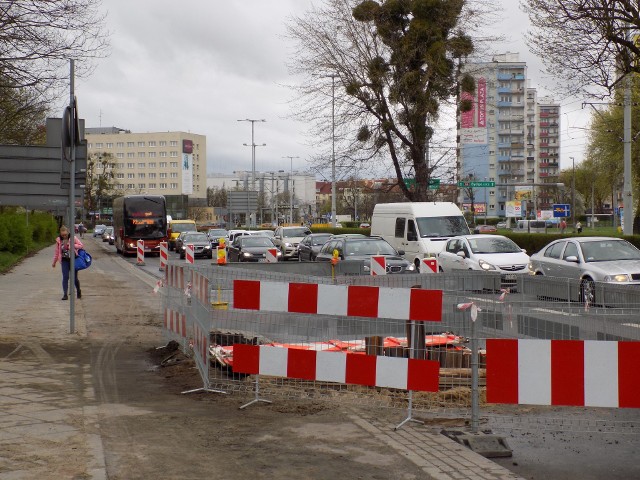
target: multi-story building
<point>509,137</point>
<point>173,164</point>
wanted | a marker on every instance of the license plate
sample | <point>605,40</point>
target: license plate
<point>510,276</point>
<point>262,260</point>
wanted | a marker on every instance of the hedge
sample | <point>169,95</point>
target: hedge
<point>18,237</point>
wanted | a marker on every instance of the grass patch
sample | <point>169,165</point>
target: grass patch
<point>9,260</point>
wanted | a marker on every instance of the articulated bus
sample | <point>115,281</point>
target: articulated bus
<point>139,217</point>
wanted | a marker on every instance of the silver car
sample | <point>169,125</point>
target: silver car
<point>589,259</point>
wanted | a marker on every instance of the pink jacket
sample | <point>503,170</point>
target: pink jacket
<point>57,251</point>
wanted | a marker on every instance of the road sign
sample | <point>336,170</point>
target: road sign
<point>434,183</point>
<point>476,184</point>
<point>561,210</point>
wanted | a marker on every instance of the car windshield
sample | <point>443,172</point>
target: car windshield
<point>609,250</point>
<point>256,241</point>
<point>195,237</point>
<point>217,233</point>
<point>442,226</point>
<point>108,230</point>
<point>295,232</point>
<point>265,233</point>
<point>321,240</point>
<point>368,247</point>
<point>493,245</point>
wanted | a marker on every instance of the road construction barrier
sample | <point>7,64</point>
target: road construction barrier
<point>188,253</point>
<point>271,255</point>
<point>221,255</point>
<point>164,256</point>
<point>563,372</point>
<point>429,265</point>
<point>378,265</point>
<point>284,316</point>
<point>140,252</point>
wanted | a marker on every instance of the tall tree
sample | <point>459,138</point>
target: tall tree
<point>22,117</point>
<point>383,69</point>
<point>587,45</point>
<point>38,37</point>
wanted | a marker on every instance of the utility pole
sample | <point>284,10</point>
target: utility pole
<point>573,193</point>
<point>253,160</point>
<point>627,195</point>
<point>290,188</point>
<point>333,151</point>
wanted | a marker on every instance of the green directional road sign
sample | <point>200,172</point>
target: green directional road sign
<point>476,184</point>
<point>434,183</point>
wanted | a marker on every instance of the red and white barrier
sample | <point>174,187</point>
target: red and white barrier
<point>429,265</point>
<point>140,252</point>
<point>344,300</point>
<point>174,276</point>
<point>175,322</point>
<point>164,256</point>
<point>378,265</point>
<point>272,255</point>
<point>188,253</point>
<point>201,287</point>
<point>563,372</point>
<point>340,367</point>
<point>200,343</point>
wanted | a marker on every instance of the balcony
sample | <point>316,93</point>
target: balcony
<point>544,155</point>
<point>517,145</point>
<point>504,158</point>
<point>544,124</point>
<point>544,134</point>
<point>504,104</point>
<point>504,89</point>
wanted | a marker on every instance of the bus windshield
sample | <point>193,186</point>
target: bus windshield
<point>145,217</point>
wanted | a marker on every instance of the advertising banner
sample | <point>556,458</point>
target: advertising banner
<point>480,208</point>
<point>482,102</point>
<point>466,118</point>
<point>524,193</point>
<point>187,173</point>
<point>514,208</point>
<point>477,136</point>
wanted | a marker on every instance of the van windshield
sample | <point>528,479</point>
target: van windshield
<point>433,227</point>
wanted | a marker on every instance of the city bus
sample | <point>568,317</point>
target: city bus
<point>139,217</point>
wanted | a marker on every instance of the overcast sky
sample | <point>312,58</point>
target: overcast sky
<point>199,66</point>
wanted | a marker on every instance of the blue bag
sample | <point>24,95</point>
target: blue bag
<point>83,260</point>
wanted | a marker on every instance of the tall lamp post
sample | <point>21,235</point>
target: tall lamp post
<point>573,193</point>
<point>253,155</point>
<point>333,151</point>
<point>290,188</point>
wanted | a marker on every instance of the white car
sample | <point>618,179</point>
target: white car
<point>489,253</point>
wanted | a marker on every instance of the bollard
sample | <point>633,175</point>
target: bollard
<point>378,265</point>
<point>140,250</point>
<point>272,255</point>
<point>221,252</point>
<point>164,256</point>
<point>188,254</point>
<point>429,265</point>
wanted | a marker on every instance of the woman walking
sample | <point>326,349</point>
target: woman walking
<point>61,254</point>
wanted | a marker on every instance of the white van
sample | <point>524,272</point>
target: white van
<point>419,229</point>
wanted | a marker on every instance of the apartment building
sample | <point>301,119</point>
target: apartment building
<point>173,164</point>
<point>510,137</point>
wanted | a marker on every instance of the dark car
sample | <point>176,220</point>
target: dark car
<point>200,242</point>
<point>107,235</point>
<point>310,246</point>
<point>178,242</point>
<point>251,248</point>
<point>215,234</point>
<point>361,249</point>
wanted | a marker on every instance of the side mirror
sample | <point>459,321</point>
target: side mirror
<point>401,253</point>
<point>461,254</point>
<point>572,259</point>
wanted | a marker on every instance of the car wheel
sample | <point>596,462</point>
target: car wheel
<point>587,291</point>
<point>182,256</point>
<point>440,270</point>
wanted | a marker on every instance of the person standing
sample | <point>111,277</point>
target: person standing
<point>579,227</point>
<point>62,254</point>
<point>563,226</point>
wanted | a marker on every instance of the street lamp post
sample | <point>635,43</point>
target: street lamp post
<point>253,157</point>
<point>290,188</point>
<point>333,151</point>
<point>573,193</point>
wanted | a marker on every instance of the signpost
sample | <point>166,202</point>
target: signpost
<point>561,210</point>
<point>434,183</point>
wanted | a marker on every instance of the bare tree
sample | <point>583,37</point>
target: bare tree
<point>585,44</point>
<point>38,37</point>
<point>22,117</point>
<point>383,68</point>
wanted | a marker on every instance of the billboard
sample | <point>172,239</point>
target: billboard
<point>524,193</point>
<point>514,208</point>
<point>479,208</point>
<point>187,173</point>
<point>476,136</point>
<point>482,102</point>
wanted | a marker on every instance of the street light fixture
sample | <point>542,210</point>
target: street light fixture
<point>573,193</point>
<point>253,154</point>
<point>290,188</point>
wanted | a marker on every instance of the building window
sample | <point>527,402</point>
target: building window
<point>163,185</point>
<point>120,186</point>
<point>131,185</point>
<point>152,164</point>
<point>173,143</point>
<point>120,165</point>
<point>173,154</point>
<point>174,175</point>
<point>131,144</point>
<point>120,144</point>
<point>152,175</point>
<point>163,164</point>
<point>131,154</point>
<point>174,185</point>
<point>142,185</point>
<point>98,145</point>
<point>131,165</point>
<point>141,144</point>
<point>119,155</point>
<point>163,143</point>
<point>163,154</point>
<point>152,186</point>
<point>163,175</point>
<point>173,164</point>
<point>141,175</point>
<point>131,175</point>
<point>109,145</point>
<point>141,154</point>
<point>152,143</point>
<point>141,165</point>
<point>120,175</point>
<point>152,154</point>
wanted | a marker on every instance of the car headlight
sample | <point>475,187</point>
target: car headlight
<point>247,254</point>
<point>620,277</point>
<point>530,267</point>
<point>207,247</point>
<point>287,244</point>
<point>132,245</point>
<point>278,253</point>
<point>411,267</point>
<point>486,265</point>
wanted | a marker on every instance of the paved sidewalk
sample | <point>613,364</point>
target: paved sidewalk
<point>48,407</point>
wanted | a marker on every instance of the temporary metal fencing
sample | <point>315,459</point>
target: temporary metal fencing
<point>200,315</point>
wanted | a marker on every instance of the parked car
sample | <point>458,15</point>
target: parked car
<point>178,241</point>
<point>266,233</point>
<point>365,225</point>
<point>488,253</point>
<point>236,233</point>
<point>501,225</point>
<point>310,246</point>
<point>286,239</point>
<point>361,249</point>
<point>251,248</point>
<point>200,242</point>
<point>589,259</point>
<point>98,230</point>
<point>485,229</point>
<point>107,235</point>
<point>215,234</point>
